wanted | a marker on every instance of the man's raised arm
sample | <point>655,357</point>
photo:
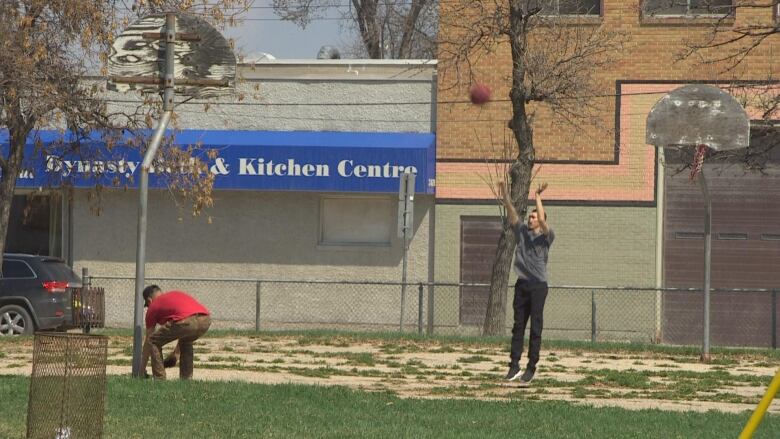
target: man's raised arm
<point>541,217</point>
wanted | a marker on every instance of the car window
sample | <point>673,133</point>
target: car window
<point>57,270</point>
<point>13,269</point>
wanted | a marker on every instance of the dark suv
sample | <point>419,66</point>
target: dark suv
<point>35,293</point>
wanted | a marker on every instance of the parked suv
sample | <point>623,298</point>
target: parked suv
<point>35,293</point>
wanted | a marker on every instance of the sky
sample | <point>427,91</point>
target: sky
<point>263,31</point>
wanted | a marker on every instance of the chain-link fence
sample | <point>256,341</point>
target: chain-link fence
<point>594,313</point>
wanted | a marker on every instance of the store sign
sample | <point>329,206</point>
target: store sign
<point>248,160</point>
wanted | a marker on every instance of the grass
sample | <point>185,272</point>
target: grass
<point>473,359</point>
<point>244,410</point>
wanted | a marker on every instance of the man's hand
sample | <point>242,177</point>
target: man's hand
<point>173,357</point>
<point>540,215</point>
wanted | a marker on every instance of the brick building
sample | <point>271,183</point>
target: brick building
<point>620,219</point>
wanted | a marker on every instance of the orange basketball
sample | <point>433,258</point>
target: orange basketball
<point>479,94</point>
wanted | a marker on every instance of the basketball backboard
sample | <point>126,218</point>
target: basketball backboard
<point>698,114</point>
<point>204,63</point>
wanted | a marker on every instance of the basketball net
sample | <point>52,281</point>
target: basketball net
<point>698,161</point>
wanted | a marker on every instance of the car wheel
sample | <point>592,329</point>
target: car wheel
<point>15,320</point>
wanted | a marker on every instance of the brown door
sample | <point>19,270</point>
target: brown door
<point>478,243</point>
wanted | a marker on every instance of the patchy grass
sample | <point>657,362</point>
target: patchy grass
<point>630,379</point>
<point>228,359</point>
<point>473,359</point>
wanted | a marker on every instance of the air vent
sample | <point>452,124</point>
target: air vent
<point>733,236</point>
<point>688,235</point>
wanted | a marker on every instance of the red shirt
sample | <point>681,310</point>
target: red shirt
<point>173,305</point>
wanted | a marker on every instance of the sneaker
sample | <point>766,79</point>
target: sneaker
<point>528,375</point>
<point>514,372</point>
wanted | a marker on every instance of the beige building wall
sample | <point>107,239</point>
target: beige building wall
<point>249,235</point>
<point>594,246</point>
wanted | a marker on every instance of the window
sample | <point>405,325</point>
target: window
<point>777,11</point>
<point>357,221</point>
<point>689,7</point>
<point>13,269</point>
<point>572,7</point>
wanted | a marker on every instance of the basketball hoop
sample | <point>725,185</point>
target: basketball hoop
<point>698,161</point>
<point>705,118</point>
<point>169,54</point>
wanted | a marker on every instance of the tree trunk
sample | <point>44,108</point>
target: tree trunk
<point>405,50</point>
<point>10,171</point>
<point>519,173</point>
<point>496,309</point>
<point>369,31</point>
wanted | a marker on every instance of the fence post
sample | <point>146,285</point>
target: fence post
<point>774,319</point>
<point>85,280</point>
<point>420,308</point>
<point>257,306</point>
<point>430,308</point>
<point>593,316</point>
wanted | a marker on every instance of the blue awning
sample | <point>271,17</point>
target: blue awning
<point>245,160</point>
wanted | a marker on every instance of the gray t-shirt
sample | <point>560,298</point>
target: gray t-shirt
<point>531,253</point>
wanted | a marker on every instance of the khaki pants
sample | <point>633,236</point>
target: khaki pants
<point>186,331</point>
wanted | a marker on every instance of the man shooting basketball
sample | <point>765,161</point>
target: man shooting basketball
<point>533,245</point>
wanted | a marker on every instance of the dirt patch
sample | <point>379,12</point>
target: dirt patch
<point>632,380</point>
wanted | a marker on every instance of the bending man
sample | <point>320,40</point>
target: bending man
<point>178,317</point>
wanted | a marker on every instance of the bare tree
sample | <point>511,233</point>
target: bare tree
<point>730,39</point>
<point>554,62</point>
<point>394,29</point>
<point>47,50</point>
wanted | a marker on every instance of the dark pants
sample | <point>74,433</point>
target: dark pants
<point>186,331</point>
<point>528,303</point>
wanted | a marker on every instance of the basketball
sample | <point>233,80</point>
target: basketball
<point>479,94</point>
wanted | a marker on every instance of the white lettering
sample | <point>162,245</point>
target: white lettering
<point>246,167</point>
<point>293,168</point>
<point>342,168</point>
<point>132,166</point>
<point>347,168</point>
<point>53,164</point>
